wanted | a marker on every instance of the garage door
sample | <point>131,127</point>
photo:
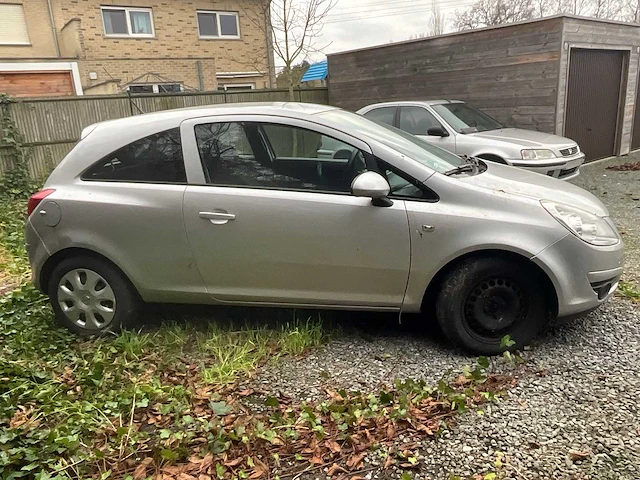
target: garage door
<point>36,84</point>
<point>593,100</point>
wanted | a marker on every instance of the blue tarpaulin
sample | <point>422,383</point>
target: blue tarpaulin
<point>317,71</point>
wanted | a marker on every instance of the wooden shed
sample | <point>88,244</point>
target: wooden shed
<point>569,75</point>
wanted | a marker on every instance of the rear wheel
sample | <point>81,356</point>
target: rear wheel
<point>90,296</point>
<point>483,300</point>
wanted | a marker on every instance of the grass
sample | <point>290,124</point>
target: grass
<point>629,290</point>
<point>57,390</point>
<point>166,398</point>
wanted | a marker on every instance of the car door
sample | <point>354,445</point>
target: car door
<point>417,120</point>
<point>273,222</point>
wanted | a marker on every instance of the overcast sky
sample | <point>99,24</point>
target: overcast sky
<point>363,23</point>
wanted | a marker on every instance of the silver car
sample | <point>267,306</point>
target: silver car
<point>464,130</point>
<point>241,205</point>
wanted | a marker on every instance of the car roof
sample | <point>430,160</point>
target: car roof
<point>175,116</point>
<point>413,102</point>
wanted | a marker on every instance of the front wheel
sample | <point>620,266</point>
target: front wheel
<point>90,296</point>
<point>483,300</point>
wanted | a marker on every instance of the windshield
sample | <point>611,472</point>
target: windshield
<point>412,147</point>
<point>466,119</point>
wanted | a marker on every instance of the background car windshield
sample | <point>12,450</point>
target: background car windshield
<point>404,143</point>
<point>466,119</point>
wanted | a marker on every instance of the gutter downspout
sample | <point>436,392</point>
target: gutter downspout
<point>53,29</point>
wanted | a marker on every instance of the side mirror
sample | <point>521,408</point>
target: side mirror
<point>437,132</point>
<point>372,185</point>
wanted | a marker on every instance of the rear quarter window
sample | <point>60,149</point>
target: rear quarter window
<point>156,158</point>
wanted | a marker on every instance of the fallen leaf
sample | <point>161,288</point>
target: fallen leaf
<point>246,393</point>
<point>576,456</point>
<point>333,446</point>
<point>355,460</point>
<point>335,468</point>
<point>388,462</point>
<point>234,463</point>
<point>186,476</point>
<point>140,471</point>
<point>391,431</point>
<point>316,460</point>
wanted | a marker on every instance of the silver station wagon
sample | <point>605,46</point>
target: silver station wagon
<point>464,130</point>
<point>300,205</point>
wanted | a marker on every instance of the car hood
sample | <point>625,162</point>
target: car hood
<point>525,138</point>
<point>516,181</point>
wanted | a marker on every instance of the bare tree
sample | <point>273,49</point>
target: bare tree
<point>292,27</point>
<point>485,13</point>
<point>437,20</point>
<point>498,12</point>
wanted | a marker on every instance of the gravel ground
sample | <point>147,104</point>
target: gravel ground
<point>588,399</point>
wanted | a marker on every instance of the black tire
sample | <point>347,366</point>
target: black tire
<point>484,299</point>
<point>126,302</point>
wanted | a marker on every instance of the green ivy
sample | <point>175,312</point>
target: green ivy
<point>16,182</point>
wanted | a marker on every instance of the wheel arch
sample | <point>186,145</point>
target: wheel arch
<point>549,290</point>
<point>55,259</point>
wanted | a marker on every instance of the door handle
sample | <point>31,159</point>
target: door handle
<point>218,218</point>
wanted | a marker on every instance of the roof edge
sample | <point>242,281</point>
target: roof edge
<point>494,27</point>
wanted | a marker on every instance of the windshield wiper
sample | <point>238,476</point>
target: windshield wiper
<point>471,165</point>
<point>467,167</point>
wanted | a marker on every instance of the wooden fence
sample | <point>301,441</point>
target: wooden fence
<point>51,126</point>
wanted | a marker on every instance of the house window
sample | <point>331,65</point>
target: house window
<point>127,22</point>
<point>156,88</point>
<point>218,24</point>
<point>237,86</point>
<point>13,25</point>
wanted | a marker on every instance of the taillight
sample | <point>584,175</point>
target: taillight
<point>36,198</point>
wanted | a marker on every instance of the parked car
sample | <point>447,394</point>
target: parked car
<point>464,130</point>
<point>235,205</point>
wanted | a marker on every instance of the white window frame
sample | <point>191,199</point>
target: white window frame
<point>219,36</point>
<point>127,10</point>
<point>238,86</point>
<point>156,86</point>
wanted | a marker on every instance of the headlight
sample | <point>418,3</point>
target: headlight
<point>586,226</point>
<point>537,154</point>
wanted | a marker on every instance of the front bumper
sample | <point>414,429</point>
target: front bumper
<point>563,168</point>
<point>584,276</point>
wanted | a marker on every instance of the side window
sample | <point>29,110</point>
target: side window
<point>251,154</point>
<point>402,186</point>
<point>156,158</point>
<point>417,120</point>
<point>382,114</point>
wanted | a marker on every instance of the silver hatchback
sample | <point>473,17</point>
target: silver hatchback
<point>300,205</point>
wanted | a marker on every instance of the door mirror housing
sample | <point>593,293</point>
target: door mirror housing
<point>370,184</point>
<point>437,132</point>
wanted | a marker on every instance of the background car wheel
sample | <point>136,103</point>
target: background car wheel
<point>482,300</point>
<point>90,296</point>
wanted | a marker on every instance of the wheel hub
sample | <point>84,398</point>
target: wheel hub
<point>494,305</point>
<point>86,299</point>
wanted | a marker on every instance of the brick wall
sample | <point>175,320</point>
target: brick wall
<point>172,53</point>
<point>175,48</point>
<point>125,70</point>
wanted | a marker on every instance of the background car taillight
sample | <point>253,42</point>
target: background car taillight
<point>36,198</point>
